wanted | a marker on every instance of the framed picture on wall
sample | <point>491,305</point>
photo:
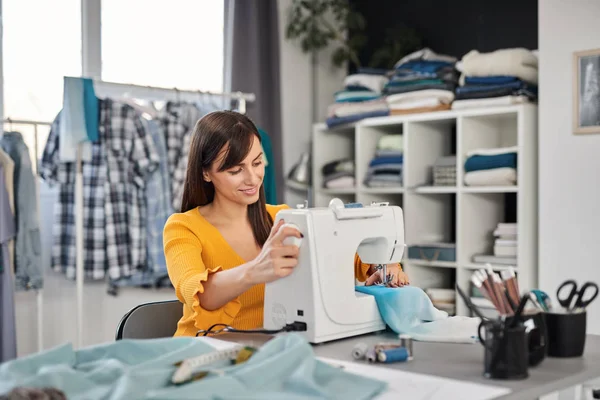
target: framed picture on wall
<point>586,91</point>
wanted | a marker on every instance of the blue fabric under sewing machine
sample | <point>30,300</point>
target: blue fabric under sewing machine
<point>408,310</point>
<point>284,367</point>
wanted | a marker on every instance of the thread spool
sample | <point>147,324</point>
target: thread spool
<point>371,355</point>
<point>360,351</point>
<point>393,355</point>
<point>406,342</point>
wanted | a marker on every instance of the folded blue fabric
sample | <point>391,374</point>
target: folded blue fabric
<point>486,87</point>
<point>409,310</point>
<point>284,367</point>
<point>336,121</point>
<point>423,66</point>
<point>397,159</point>
<point>490,80</point>
<point>372,71</point>
<point>479,162</point>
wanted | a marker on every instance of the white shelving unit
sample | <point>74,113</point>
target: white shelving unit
<point>466,216</point>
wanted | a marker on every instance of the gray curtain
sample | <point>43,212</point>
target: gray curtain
<point>255,69</point>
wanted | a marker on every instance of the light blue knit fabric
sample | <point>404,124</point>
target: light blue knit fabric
<point>409,310</point>
<point>284,368</point>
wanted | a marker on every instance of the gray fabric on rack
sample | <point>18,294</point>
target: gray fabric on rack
<point>8,335</point>
<point>255,69</point>
<point>28,247</point>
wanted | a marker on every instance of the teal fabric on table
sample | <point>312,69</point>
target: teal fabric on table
<point>285,367</point>
<point>269,179</point>
<point>409,310</point>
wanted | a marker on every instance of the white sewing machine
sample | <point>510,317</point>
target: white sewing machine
<point>321,290</point>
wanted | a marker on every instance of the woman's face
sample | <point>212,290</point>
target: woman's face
<point>241,183</point>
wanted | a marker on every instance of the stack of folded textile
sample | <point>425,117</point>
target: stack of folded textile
<point>385,169</point>
<point>361,98</point>
<point>502,77</point>
<point>505,246</point>
<point>338,174</point>
<point>491,167</point>
<point>444,171</point>
<point>423,81</point>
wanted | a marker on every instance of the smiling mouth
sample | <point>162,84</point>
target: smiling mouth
<point>249,191</point>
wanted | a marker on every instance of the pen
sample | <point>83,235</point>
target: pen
<point>519,311</point>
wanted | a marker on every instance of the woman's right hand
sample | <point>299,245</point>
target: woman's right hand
<point>275,260</point>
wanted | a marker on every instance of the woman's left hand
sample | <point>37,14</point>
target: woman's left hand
<point>398,277</point>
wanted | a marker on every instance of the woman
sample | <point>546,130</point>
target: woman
<point>222,248</point>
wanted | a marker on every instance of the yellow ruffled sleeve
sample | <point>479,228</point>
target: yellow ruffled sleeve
<point>187,271</point>
<point>361,270</point>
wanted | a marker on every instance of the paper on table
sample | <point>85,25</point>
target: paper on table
<point>410,385</point>
<point>403,384</point>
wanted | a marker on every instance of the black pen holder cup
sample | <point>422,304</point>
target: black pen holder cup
<point>566,333</point>
<point>506,353</point>
<point>537,336</point>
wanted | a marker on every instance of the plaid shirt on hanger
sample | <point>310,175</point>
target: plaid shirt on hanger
<point>190,114</point>
<point>178,120</point>
<point>114,219</point>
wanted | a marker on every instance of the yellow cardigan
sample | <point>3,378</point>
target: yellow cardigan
<point>194,248</point>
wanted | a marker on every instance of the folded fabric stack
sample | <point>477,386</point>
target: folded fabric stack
<point>426,100</point>
<point>505,246</point>
<point>443,299</point>
<point>444,171</point>
<point>361,98</point>
<point>385,169</point>
<point>338,174</point>
<point>491,167</point>
<point>420,71</point>
<point>502,77</point>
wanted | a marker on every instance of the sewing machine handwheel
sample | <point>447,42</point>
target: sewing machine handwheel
<point>296,241</point>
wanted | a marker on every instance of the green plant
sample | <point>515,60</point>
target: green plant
<point>321,23</point>
<point>400,41</point>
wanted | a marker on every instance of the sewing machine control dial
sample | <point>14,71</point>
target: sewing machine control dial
<point>291,239</point>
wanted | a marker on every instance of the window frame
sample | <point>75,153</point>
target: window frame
<point>91,45</point>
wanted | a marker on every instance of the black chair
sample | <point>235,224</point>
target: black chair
<point>150,320</point>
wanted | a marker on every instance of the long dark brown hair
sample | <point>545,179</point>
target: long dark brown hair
<point>211,133</point>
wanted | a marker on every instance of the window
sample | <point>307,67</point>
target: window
<point>41,44</point>
<point>147,42</point>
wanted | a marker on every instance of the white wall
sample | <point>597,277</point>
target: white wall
<point>296,96</point>
<point>569,189</point>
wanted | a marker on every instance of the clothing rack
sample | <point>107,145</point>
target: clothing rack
<point>140,92</point>
<point>39,292</point>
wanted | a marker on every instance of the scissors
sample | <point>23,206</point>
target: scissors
<point>578,295</point>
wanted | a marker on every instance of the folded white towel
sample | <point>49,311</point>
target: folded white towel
<point>359,107</point>
<point>494,151</point>
<point>343,182</point>
<point>492,177</point>
<point>489,102</point>
<point>425,54</point>
<point>373,82</point>
<point>518,62</point>
<point>444,96</point>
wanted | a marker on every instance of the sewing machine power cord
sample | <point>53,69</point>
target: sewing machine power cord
<point>293,327</point>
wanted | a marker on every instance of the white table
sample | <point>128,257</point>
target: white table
<point>464,362</point>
